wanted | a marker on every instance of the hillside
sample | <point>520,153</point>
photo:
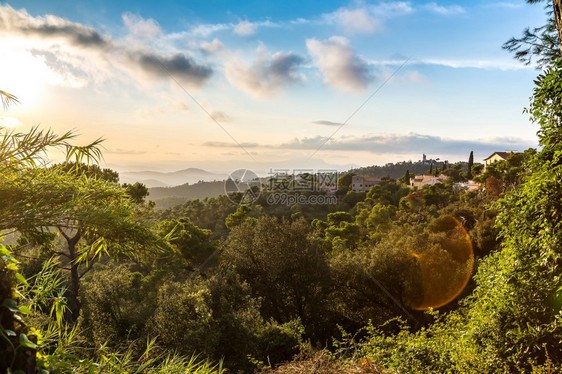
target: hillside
<point>166,197</point>
<point>176,178</point>
<point>397,170</point>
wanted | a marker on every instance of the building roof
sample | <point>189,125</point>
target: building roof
<point>503,155</point>
<point>367,179</point>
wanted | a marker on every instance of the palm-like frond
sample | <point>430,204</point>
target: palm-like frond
<point>7,99</point>
<point>29,149</point>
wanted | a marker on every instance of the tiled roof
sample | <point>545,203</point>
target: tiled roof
<point>503,155</point>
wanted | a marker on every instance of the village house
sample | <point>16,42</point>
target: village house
<point>360,183</point>
<point>498,156</point>
<point>422,180</point>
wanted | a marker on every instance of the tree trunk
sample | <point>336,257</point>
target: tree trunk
<point>557,6</point>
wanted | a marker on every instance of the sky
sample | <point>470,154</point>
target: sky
<point>222,85</point>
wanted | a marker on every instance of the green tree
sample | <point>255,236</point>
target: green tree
<point>285,265</point>
<point>92,214</point>
<point>190,244</point>
<point>540,43</point>
<point>406,178</point>
<point>470,164</point>
<point>137,192</point>
<point>344,183</point>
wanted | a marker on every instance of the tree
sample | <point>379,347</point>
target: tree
<point>406,178</point>
<point>285,266</point>
<point>542,43</point>
<point>92,214</point>
<point>137,192</point>
<point>344,182</point>
<point>190,244</point>
<point>470,163</point>
<point>557,7</point>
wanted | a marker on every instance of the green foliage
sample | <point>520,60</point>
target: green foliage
<point>512,321</point>
<point>189,243</point>
<point>137,192</point>
<point>116,305</point>
<point>539,43</point>
<point>242,214</point>
<point>218,318</point>
<point>285,266</point>
<point>344,183</point>
<point>470,164</point>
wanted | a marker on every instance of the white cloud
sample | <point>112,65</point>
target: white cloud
<point>392,9</point>
<point>477,64</point>
<point>458,64</point>
<point>443,9</point>
<point>366,19</point>
<point>211,47</point>
<point>505,5</point>
<point>341,67</point>
<point>267,75</point>
<point>245,28</point>
<point>6,121</point>
<point>204,30</point>
<point>140,27</point>
<point>389,143</point>
<point>356,21</point>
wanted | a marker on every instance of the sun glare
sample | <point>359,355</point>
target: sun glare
<point>23,75</point>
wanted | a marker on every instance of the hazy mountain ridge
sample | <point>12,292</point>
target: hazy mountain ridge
<point>166,197</point>
<point>175,178</point>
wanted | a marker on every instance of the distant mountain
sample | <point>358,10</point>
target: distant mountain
<point>150,183</point>
<point>166,197</point>
<point>175,178</point>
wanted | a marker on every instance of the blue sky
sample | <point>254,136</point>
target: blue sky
<point>278,77</point>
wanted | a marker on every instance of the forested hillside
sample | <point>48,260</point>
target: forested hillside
<point>167,197</point>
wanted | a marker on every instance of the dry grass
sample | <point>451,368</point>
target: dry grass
<point>321,363</point>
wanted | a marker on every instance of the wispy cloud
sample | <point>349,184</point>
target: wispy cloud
<point>213,46</point>
<point>220,116</point>
<point>341,67</point>
<point>457,64</point>
<point>125,151</point>
<point>505,4</point>
<point>356,21</point>
<point>326,123</point>
<point>140,27</point>
<point>230,145</point>
<point>444,9</point>
<point>245,28</point>
<point>395,144</point>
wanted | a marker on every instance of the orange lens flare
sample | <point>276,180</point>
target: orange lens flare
<point>444,268</point>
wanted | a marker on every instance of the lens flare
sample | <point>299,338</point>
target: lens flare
<point>443,269</point>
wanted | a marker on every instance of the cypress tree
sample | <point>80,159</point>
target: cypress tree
<point>407,177</point>
<point>470,163</point>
